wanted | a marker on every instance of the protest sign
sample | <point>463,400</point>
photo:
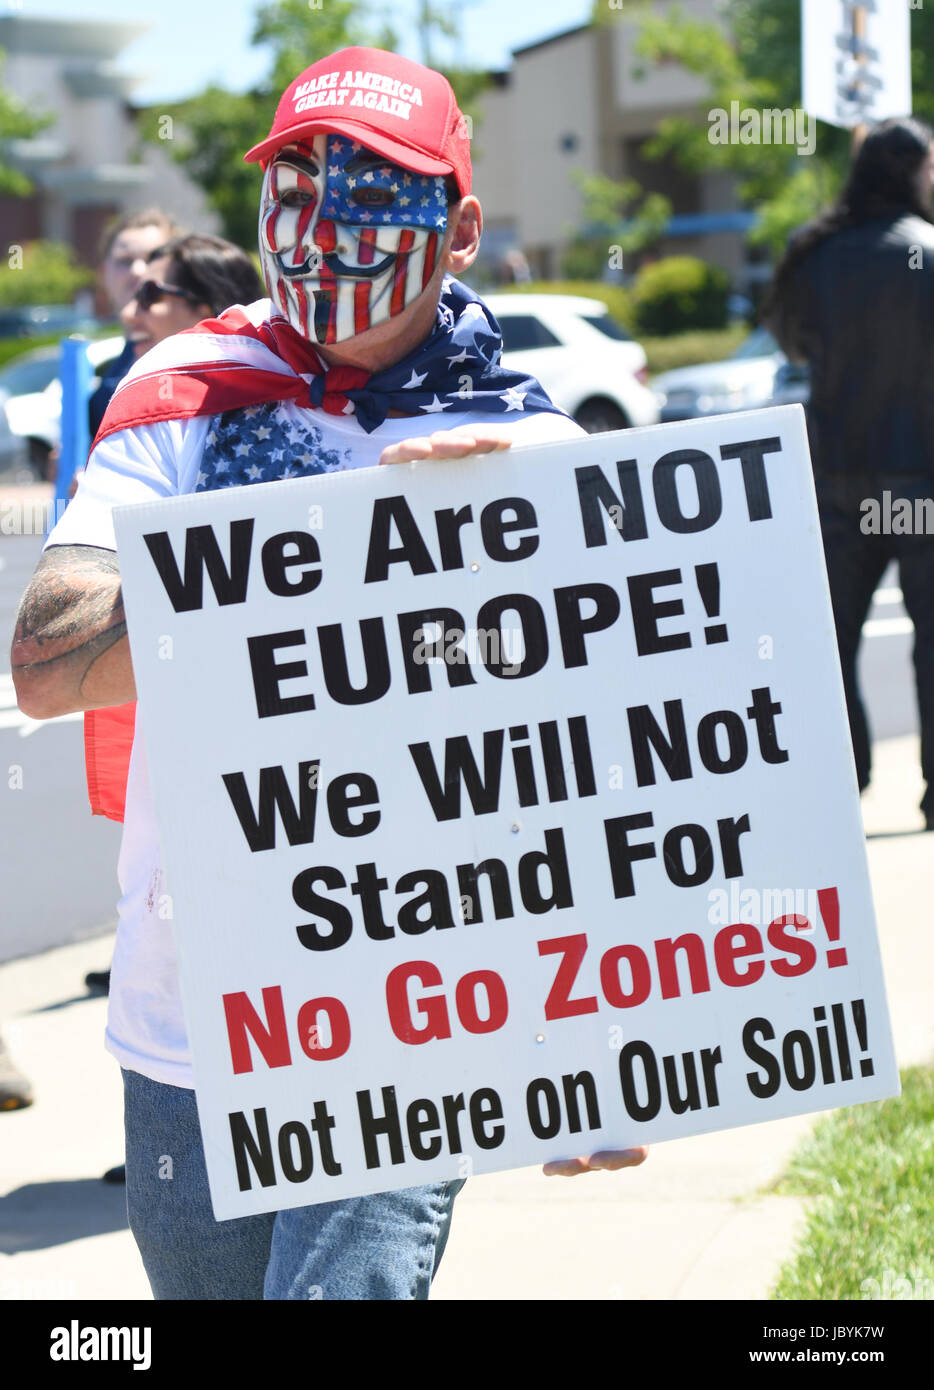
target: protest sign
<point>856,60</point>
<point>507,805</point>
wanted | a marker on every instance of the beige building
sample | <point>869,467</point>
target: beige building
<point>88,164</point>
<point>577,102</point>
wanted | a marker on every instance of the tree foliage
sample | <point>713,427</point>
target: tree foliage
<point>41,272</point>
<point>754,58</point>
<point>16,123</point>
<point>680,293</point>
<point>619,217</point>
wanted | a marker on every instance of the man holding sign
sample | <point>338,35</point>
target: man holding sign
<point>366,215</point>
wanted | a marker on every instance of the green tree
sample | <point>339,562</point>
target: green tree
<point>755,59</point>
<point>16,123</point>
<point>618,215</point>
<point>210,132</point>
<point>41,272</point>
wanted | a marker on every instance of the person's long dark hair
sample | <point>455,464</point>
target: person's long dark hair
<point>883,181</point>
<point>212,270</point>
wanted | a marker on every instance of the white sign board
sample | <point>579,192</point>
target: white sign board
<point>507,805</point>
<point>856,60</point>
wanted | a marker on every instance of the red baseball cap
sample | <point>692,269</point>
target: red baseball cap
<point>398,108</point>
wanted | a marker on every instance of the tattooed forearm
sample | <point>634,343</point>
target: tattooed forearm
<point>69,627</point>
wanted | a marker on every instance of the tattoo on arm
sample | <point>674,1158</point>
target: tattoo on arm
<point>71,613</point>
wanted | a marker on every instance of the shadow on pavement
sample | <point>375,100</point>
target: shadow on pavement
<point>43,1214</point>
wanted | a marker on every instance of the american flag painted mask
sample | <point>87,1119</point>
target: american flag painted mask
<point>347,239</point>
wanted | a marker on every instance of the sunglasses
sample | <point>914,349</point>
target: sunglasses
<point>151,291</point>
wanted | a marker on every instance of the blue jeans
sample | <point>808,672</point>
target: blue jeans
<point>384,1246</point>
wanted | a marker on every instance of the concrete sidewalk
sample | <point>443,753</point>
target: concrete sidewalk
<point>696,1221</point>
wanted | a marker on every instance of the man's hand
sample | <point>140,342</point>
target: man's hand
<point>447,444</point>
<point>70,648</point>
<point>606,1162</point>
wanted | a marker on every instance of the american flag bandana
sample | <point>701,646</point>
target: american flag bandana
<point>252,355</point>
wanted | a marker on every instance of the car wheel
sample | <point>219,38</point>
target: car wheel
<point>598,415</point>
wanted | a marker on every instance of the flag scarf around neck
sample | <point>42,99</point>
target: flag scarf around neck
<point>251,356</point>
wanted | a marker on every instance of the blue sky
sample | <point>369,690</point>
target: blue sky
<point>193,42</point>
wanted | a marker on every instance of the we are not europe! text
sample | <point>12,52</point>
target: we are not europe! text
<point>291,566</point>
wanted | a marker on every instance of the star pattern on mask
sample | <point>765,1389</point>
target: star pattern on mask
<point>424,191</point>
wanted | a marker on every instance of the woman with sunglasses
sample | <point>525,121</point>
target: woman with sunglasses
<point>188,279</point>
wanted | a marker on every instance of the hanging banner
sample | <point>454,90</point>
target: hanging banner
<point>856,60</point>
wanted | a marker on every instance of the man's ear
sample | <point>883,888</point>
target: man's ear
<point>467,219</point>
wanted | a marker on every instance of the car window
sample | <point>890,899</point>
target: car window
<point>609,326</point>
<point>760,343</point>
<point>524,331</point>
<point>24,377</point>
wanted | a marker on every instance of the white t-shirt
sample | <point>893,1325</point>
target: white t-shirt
<point>145,1025</point>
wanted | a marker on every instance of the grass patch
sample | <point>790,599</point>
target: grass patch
<point>871,1170</point>
<point>11,348</point>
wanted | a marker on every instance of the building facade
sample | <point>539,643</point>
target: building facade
<point>583,102</point>
<point>88,164</point>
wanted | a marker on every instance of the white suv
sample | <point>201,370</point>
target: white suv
<point>585,361</point>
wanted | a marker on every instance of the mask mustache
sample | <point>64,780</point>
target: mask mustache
<point>313,264</point>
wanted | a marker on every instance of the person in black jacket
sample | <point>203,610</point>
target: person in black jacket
<point>854,298</point>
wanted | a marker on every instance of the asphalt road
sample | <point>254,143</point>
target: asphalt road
<point>59,862</point>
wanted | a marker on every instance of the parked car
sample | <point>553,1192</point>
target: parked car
<point>792,384</point>
<point>31,396</point>
<point>589,366</point>
<point>744,381</point>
